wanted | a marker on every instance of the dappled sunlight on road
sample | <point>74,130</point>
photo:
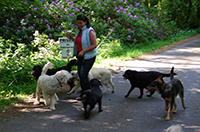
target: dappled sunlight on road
<point>184,56</point>
<point>189,59</point>
<point>194,90</point>
<point>192,126</point>
<point>189,50</point>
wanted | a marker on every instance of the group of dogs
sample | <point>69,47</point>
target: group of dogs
<point>50,80</point>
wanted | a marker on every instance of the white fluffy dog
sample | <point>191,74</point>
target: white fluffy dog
<point>103,74</point>
<point>48,85</point>
<point>174,128</point>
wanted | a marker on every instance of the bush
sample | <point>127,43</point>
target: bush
<point>184,14</point>
<point>30,30</point>
<point>130,22</point>
<point>16,66</point>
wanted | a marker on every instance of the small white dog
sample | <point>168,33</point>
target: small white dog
<point>103,74</point>
<point>174,128</point>
<point>48,85</point>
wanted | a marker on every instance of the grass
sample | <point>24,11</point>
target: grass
<point>109,54</point>
<point>138,50</point>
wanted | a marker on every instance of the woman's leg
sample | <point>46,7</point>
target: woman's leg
<point>83,71</point>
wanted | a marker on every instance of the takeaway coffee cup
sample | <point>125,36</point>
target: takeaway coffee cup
<point>69,31</point>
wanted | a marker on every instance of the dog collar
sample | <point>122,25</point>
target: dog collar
<point>59,82</point>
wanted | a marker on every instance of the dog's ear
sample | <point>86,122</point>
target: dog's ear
<point>74,74</point>
<point>72,63</point>
<point>64,76</point>
<point>64,80</point>
<point>134,73</point>
<point>160,77</point>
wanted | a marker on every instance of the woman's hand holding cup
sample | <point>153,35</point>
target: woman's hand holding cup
<point>69,36</point>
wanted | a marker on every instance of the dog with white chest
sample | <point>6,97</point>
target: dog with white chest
<point>49,85</point>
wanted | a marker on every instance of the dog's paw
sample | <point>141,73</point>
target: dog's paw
<point>167,118</point>
<point>139,97</point>
<point>36,103</point>
<point>53,108</point>
<point>126,96</point>
<point>174,112</point>
<point>100,110</point>
<point>148,95</point>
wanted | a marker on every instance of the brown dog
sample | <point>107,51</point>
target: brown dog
<point>169,92</point>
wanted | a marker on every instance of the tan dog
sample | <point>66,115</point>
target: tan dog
<point>169,92</point>
<point>103,74</point>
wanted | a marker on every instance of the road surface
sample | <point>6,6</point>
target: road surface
<point>122,114</point>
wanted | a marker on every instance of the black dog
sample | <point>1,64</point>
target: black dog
<point>142,80</point>
<point>169,91</point>
<point>92,96</point>
<point>37,69</point>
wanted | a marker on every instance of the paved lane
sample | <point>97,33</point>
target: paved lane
<point>125,114</point>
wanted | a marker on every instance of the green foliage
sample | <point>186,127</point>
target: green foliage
<point>184,13</point>
<point>8,101</point>
<point>124,29</point>
<point>111,50</point>
<point>130,22</point>
<point>15,67</point>
<point>12,19</point>
<point>114,51</point>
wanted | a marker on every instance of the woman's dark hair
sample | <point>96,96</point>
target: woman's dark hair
<point>85,19</point>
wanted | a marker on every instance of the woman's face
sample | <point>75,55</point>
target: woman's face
<point>81,24</point>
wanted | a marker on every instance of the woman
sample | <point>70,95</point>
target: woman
<point>84,49</point>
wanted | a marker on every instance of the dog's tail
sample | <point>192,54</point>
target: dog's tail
<point>114,71</point>
<point>46,67</point>
<point>172,74</point>
<point>72,63</point>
